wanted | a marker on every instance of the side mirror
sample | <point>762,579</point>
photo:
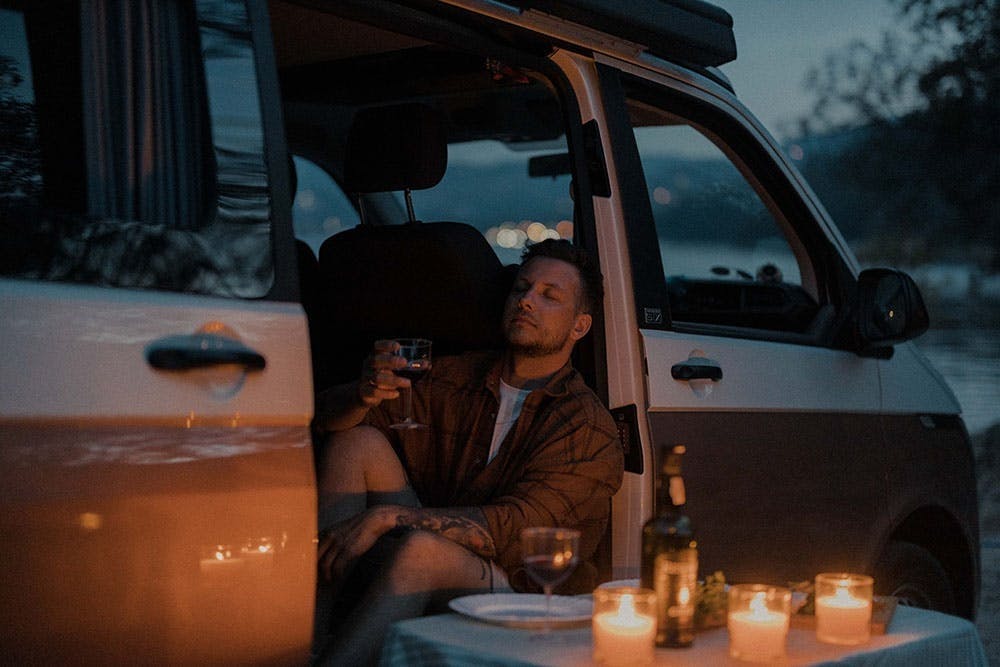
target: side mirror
<point>890,309</point>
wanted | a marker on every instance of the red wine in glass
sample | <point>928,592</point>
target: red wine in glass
<point>549,570</point>
<point>549,556</point>
<point>417,352</point>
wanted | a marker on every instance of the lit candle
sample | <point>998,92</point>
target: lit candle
<point>624,636</point>
<point>843,617</point>
<point>757,633</point>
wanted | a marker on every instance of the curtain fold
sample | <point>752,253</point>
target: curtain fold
<point>146,139</point>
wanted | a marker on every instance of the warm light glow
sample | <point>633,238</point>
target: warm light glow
<point>507,238</point>
<point>843,598</point>
<point>565,229</point>
<point>623,635</point>
<point>91,521</point>
<point>758,606</point>
<point>536,232</point>
<point>558,560</point>
<point>683,595</point>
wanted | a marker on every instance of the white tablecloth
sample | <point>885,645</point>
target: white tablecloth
<point>915,638</point>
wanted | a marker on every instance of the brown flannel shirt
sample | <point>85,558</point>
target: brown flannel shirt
<point>558,466</point>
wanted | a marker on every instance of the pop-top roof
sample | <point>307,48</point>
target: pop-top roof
<point>691,31</point>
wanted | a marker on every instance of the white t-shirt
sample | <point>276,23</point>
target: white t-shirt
<point>511,400</point>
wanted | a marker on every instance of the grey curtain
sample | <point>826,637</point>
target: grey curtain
<point>146,145</point>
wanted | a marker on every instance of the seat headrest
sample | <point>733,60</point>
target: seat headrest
<point>398,147</point>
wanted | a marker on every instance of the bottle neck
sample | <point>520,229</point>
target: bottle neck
<point>671,497</point>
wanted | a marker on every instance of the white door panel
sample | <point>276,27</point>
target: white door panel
<point>76,351</point>
<point>760,375</point>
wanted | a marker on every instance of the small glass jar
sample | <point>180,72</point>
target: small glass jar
<point>624,625</point>
<point>843,607</point>
<point>758,617</point>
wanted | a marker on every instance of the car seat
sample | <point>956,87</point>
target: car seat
<point>436,280</point>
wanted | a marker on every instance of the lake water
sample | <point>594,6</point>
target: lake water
<point>969,359</point>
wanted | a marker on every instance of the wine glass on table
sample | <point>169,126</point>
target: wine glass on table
<point>550,555</point>
<point>417,352</point>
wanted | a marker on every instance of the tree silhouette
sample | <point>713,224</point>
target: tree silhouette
<point>20,165</point>
<point>927,163</point>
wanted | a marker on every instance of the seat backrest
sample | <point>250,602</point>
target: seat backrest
<point>433,280</point>
<point>436,280</point>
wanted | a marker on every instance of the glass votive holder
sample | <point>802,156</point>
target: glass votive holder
<point>843,607</point>
<point>624,625</point>
<point>758,621</point>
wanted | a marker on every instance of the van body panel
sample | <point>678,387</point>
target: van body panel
<point>152,506</point>
<point>625,362</point>
<point>757,482</point>
<point>910,385</point>
<point>759,375</point>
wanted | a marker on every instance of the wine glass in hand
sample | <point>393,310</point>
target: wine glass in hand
<point>550,555</point>
<point>417,352</point>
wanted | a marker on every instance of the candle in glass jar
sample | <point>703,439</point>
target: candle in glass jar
<point>623,636</point>
<point>757,633</point>
<point>843,616</point>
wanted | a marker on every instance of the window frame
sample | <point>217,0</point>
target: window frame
<point>832,279</point>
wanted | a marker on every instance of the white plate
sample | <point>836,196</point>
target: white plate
<point>620,583</point>
<point>525,610</point>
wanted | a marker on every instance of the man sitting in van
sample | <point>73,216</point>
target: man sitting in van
<point>515,439</point>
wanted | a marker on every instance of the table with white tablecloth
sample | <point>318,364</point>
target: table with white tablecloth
<point>915,638</point>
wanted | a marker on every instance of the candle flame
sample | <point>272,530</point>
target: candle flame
<point>626,607</point>
<point>758,605</point>
<point>843,593</point>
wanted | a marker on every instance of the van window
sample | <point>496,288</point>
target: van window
<point>133,154</point>
<point>321,209</point>
<point>729,258</point>
<point>489,186</point>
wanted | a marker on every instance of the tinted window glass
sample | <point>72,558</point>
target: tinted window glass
<point>134,166</point>
<point>728,260</point>
<point>321,208</point>
<point>488,185</point>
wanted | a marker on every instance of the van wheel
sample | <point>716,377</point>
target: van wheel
<point>912,573</point>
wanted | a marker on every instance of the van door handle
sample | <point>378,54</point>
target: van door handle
<point>199,350</point>
<point>697,368</point>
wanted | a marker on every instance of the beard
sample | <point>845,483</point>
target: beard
<point>535,342</point>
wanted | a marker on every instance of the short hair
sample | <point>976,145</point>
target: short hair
<point>591,280</point>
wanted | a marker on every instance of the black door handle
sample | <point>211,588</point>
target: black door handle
<point>198,350</point>
<point>697,368</point>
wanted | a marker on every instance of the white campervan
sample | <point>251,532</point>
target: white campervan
<point>187,255</point>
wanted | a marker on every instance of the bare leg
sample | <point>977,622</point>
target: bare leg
<point>425,570</point>
<point>358,469</point>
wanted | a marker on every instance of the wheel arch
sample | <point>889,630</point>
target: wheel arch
<point>935,529</point>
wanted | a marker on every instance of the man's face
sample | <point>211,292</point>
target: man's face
<point>542,315</point>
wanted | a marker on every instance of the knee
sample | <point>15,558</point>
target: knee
<point>358,448</point>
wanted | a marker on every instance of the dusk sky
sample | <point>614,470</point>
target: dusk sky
<point>778,41</point>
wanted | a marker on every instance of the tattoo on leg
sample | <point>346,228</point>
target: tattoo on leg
<point>464,526</point>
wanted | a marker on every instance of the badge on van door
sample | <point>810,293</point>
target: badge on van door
<point>652,315</point>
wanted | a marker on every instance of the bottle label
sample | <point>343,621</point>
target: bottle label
<point>675,578</point>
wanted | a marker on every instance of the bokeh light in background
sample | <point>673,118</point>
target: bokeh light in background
<point>515,235</point>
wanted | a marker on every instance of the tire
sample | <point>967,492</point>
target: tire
<point>913,574</point>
